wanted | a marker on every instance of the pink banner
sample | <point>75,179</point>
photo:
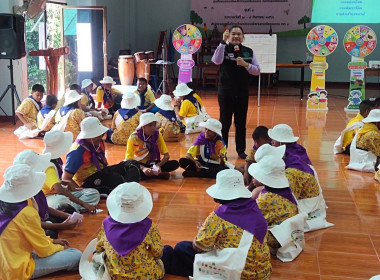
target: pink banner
<point>255,16</point>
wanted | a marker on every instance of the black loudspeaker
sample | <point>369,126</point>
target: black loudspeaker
<point>12,38</point>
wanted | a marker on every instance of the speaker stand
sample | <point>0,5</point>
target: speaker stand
<point>14,94</point>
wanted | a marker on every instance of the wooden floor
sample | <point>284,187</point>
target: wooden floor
<point>349,250</point>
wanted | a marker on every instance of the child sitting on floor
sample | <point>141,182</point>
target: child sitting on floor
<point>170,128</point>
<point>129,239</point>
<point>27,113</point>
<point>146,145</point>
<point>45,117</point>
<point>207,156</point>
<point>125,120</point>
<point>146,97</point>
<point>25,249</point>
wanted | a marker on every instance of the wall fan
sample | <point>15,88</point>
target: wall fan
<point>32,8</point>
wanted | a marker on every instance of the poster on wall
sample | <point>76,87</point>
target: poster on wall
<point>255,16</point>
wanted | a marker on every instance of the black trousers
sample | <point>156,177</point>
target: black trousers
<point>238,107</point>
<point>169,166</point>
<point>113,175</point>
<point>211,172</point>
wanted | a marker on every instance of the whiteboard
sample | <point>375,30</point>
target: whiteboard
<point>264,47</point>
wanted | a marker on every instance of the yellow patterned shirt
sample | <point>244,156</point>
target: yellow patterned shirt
<point>123,129</point>
<point>220,148</point>
<point>275,210</point>
<point>143,262</point>
<point>370,141</point>
<point>251,157</point>
<point>217,233</point>
<point>73,122</point>
<point>29,111</point>
<point>302,184</point>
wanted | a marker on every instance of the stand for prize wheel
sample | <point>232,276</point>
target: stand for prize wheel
<point>187,39</point>
<point>321,41</point>
<point>358,42</point>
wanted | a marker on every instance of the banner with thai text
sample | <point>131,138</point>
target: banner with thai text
<point>254,16</point>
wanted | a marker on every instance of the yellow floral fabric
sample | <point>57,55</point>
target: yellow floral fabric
<point>302,184</point>
<point>370,141</point>
<point>29,111</point>
<point>73,123</point>
<point>123,129</point>
<point>349,135</point>
<point>217,233</point>
<point>275,210</point>
<point>143,262</point>
<point>169,130</point>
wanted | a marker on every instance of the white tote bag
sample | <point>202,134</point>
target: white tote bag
<point>290,235</point>
<point>227,263</point>
<point>339,142</point>
<point>48,118</point>
<point>62,124</point>
<point>94,269</point>
<point>315,208</point>
<point>24,133</point>
<point>192,123</point>
<point>361,160</point>
<point>205,159</point>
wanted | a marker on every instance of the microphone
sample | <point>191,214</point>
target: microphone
<point>236,48</point>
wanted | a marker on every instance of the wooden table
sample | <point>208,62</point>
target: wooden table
<point>301,67</point>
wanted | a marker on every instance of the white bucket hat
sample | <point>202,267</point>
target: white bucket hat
<point>71,96</point>
<point>107,80</point>
<point>373,116</point>
<point>282,133</point>
<point>182,90</point>
<point>129,203</point>
<point>164,102</point>
<point>270,171</point>
<point>130,100</point>
<point>38,162</point>
<point>21,183</point>
<point>147,118</point>
<point>266,150</point>
<point>57,143</point>
<point>213,125</point>
<point>87,82</point>
<point>229,185</point>
<point>90,128</point>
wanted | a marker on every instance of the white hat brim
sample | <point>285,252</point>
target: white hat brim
<point>272,135</point>
<point>370,119</point>
<point>182,93</point>
<point>93,133</point>
<point>215,192</point>
<point>163,106</point>
<point>59,150</point>
<point>70,101</point>
<point>135,103</point>
<point>278,152</point>
<point>135,216</point>
<point>27,191</point>
<point>155,119</point>
<point>206,125</point>
<point>105,82</point>
<point>270,181</point>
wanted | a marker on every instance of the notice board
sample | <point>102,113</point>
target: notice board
<point>264,47</point>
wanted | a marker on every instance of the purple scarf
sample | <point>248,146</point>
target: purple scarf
<point>43,208</point>
<point>209,144</point>
<point>96,156</point>
<point>125,237</point>
<point>38,102</point>
<point>58,164</point>
<point>295,161</point>
<point>284,192</point>
<point>91,101</point>
<point>5,219</point>
<point>169,114</point>
<point>244,213</point>
<point>296,149</point>
<point>127,113</point>
<point>46,110</point>
<point>151,145</point>
<point>64,110</point>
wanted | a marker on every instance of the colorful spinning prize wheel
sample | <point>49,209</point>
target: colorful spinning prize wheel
<point>360,41</point>
<point>187,39</point>
<point>322,40</point>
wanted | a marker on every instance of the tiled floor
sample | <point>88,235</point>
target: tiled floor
<point>349,250</point>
